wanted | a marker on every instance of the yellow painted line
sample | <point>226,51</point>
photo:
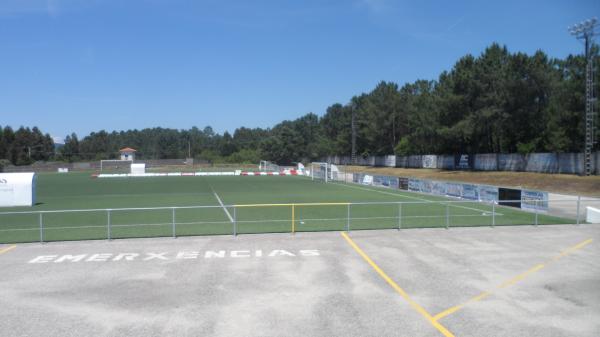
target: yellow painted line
<point>398,289</point>
<point>7,249</point>
<point>481,296</point>
<point>458,307</point>
<point>568,251</point>
<point>448,312</point>
<point>302,204</point>
<point>512,281</point>
<point>520,276</point>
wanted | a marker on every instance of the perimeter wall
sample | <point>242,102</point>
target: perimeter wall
<point>567,163</point>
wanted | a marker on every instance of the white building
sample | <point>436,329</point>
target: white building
<point>127,153</point>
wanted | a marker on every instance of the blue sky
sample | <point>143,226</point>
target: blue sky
<point>85,65</point>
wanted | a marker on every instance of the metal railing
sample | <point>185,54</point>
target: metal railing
<point>112,223</point>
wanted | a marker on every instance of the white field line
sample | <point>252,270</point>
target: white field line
<point>223,206</point>
<point>409,197</point>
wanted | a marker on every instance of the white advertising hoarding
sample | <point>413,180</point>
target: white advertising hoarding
<point>138,169</point>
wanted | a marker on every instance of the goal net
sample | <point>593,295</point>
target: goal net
<point>326,172</point>
<point>266,166</point>
<point>115,166</point>
<point>320,171</point>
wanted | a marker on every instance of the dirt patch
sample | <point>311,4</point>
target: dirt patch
<point>557,183</point>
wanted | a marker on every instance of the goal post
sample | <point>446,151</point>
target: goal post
<point>320,171</point>
<point>267,166</point>
<point>115,165</point>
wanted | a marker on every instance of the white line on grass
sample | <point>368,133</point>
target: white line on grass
<point>410,197</point>
<point>221,203</point>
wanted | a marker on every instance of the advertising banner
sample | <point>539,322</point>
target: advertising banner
<point>470,192</point>
<point>414,185</point>
<point>454,190</point>
<point>488,193</point>
<point>534,200</point>
<point>439,188</point>
<point>390,161</point>
<point>429,161</point>
<point>426,186</point>
<point>462,162</point>
<point>403,183</point>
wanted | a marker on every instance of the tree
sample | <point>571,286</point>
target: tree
<point>70,151</point>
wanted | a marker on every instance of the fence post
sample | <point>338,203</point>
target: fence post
<point>173,222</point>
<point>578,205</point>
<point>346,174</point>
<point>493,213</point>
<point>234,221</point>
<point>108,224</point>
<point>536,212</point>
<point>447,215</point>
<point>348,219</point>
<point>399,216</point>
<point>293,219</point>
<point>41,228</point>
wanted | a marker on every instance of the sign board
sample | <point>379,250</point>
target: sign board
<point>470,192</point>
<point>414,185</point>
<point>488,193</point>
<point>592,215</point>
<point>462,162</point>
<point>429,161</point>
<point>385,181</point>
<point>367,180</point>
<point>534,200</point>
<point>17,189</point>
<point>138,168</point>
<point>403,183</point>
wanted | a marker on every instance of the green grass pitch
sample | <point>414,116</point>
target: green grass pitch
<point>380,208</point>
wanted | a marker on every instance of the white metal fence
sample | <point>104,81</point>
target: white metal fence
<point>83,224</point>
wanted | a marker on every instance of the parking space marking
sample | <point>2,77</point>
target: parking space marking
<point>397,288</point>
<point>7,249</point>
<point>512,281</point>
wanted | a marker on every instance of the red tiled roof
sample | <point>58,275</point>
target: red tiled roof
<point>127,149</point>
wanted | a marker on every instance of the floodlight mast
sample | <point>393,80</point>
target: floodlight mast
<point>585,31</point>
<point>353,126</point>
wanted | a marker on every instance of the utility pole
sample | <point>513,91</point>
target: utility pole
<point>585,31</point>
<point>353,110</point>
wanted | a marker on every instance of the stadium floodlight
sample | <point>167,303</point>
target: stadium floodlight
<point>585,31</point>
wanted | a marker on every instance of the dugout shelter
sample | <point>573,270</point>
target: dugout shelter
<point>17,189</point>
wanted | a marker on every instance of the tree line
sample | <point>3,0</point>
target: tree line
<point>497,102</point>
<point>24,146</point>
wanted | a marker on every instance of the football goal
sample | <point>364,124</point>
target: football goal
<point>320,171</point>
<point>266,166</point>
<point>115,166</point>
